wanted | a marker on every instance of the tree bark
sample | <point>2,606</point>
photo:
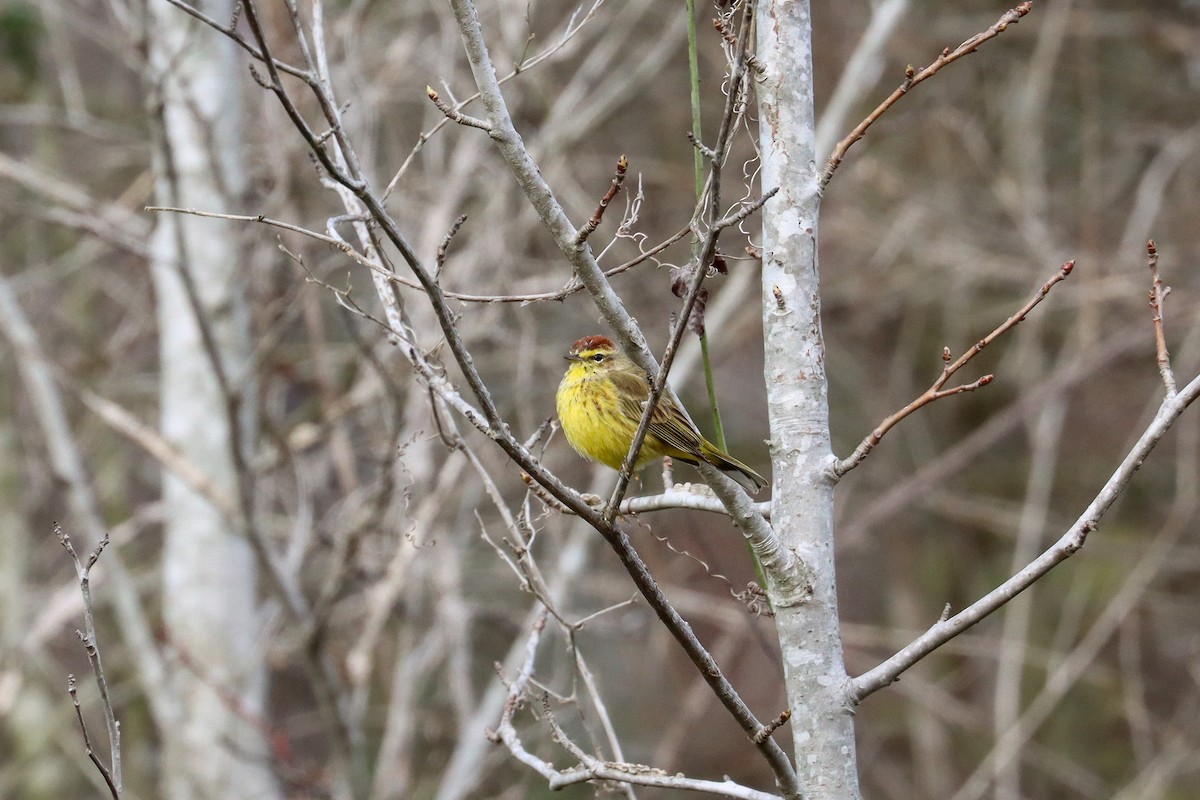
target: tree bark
<point>797,397</point>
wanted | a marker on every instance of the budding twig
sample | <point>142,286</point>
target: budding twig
<point>937,390</point>
<point>456,116</point>
<point>913,76</point>
<point>704,149</point>
<point>773,725</point>
<point>1158,294</point>
<point>83,570</point>
<point>614,187</point>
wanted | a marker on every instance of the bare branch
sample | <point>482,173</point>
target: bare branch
<point>705,150</point>
<point>591,768</point>
<point>88,636</point>
<point>912,77</point>
<point>445,245</point>
<point>236,37</point>
<point>1067,545</point>
<point>1158,295</point>
<point>454,115</point>
<point>936,391</point>
<point>594,222</point>
<point>87,741</point>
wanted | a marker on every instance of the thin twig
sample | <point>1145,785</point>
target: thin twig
<point>745,210</point>
<point>936,391</point>
<point>704,149</point>
<point>569,289</point>
<point>1158,295</point>
<point>112,777</point>
<point>235,37</point>
<point>453,114</point>
<point>445,245</point>
<point>591,768</point>
<point>572,28</point>
<point>913,77</point>
<point>614,187</point>
<point>87,741</point>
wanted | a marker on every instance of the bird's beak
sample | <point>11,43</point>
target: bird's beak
<point>571,357</point>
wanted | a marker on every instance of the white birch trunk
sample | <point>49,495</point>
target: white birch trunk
<point>210,604</point>
<point>802,510</point>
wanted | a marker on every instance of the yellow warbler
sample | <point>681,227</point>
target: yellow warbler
<point>600,402</point>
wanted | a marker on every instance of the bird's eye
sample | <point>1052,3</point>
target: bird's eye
<point>598,357</point>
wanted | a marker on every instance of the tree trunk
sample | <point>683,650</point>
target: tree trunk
<point>210,605</point>
<point>802,510</point>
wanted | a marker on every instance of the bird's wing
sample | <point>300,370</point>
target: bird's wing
<point>669,423</point>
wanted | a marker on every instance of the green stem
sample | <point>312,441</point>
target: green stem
<point>694,72</point>
<point>698,161</point>
<point>718,428</point>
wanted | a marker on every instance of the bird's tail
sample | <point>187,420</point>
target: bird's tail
<point>736,469</point>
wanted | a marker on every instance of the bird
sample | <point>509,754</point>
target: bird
<point>600,403</point>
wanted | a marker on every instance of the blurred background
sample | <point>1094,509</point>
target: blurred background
<point>1074,135</point>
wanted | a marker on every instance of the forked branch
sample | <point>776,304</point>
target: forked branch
<point>1071,541</point>
<point>83,572</point>
<point>912,77</point>
<point>589,768</point>
<point>937,391</point>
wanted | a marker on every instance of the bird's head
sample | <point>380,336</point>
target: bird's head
<point>593,355</point>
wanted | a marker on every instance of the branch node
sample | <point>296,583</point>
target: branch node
<point>767,730</point>
<point>704,149</point>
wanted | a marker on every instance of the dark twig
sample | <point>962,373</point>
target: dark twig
<point>614,187</point>
<point>936,391</point>
<point>1158,294</point>
<point>912,77</point>
<point>445,245</point>
<point>88,637</point>
<point>234,36</point>
<point>454,115</point>
<point>87,741</point>
<point>572,286</point>
<point>704,149</point>
<point>776,723</point>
